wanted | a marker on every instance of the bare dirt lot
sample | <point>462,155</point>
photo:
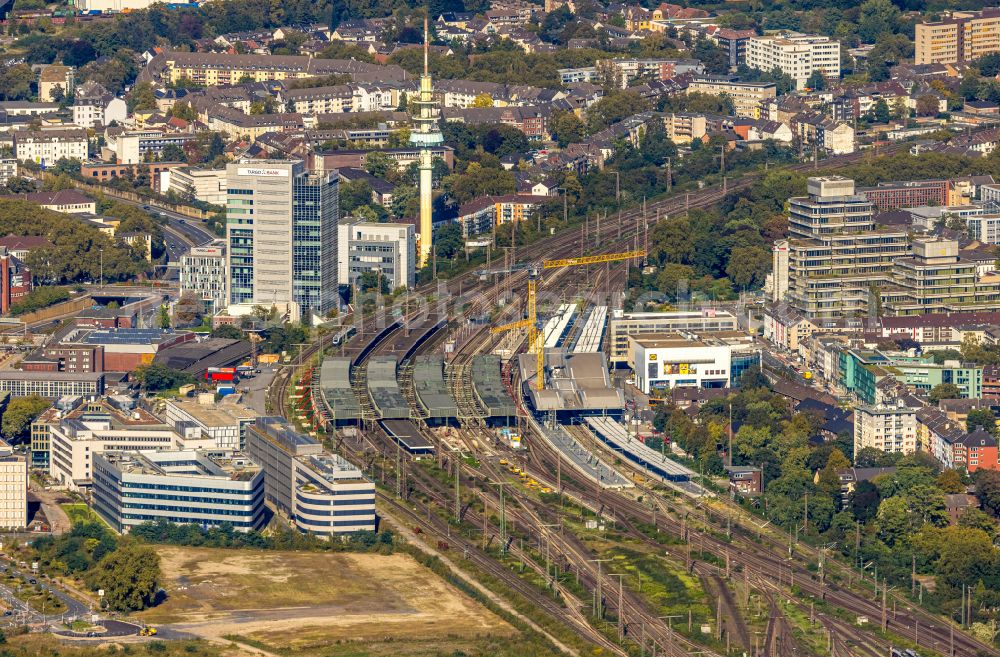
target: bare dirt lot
<point>301,600</point>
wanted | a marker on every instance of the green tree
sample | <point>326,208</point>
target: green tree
<point>183,110</point>
<point>155,377</point>
<point>448,241</point>
<point>927,105</point>
<point>927,505</point>
<point>353,194</point>
<point>749,266</point>
<point>816,81</point>
<point>482,100</point>
<point>372,280</point>
<point>893,520</point>
<point>379,164</point>
<point>864,501</point>
<point>877,18</point>
<point>163,317</point>
<point>15,82</point>
<point>142,97</point>
<point>129,576</point>
<point>981,417</point>
<point>228,332</point>
<point>566,128</point>
<point>949,481</point>
<point>880,112</point>
<point>944,391</point>
<point>20,413</point>
<point>478,180</point>
<point>988,490</point>
<point>977,519</point>
<point>613,108</point>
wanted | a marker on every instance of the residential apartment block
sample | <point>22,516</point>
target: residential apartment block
<point>834,252</point>
<point>746,96</point>
<point>485,214</point>
<point>213,69</point>
<point>795,54</point>
<point>961,37</point>
<point>886,427</point>
<point>48,146</point>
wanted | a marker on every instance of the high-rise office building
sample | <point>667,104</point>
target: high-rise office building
<point>281,226</point>
<point>838,263</point>
<point>836,256</point>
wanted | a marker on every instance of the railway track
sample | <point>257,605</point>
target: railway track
<point>768,563</point>
<point>628,226</point>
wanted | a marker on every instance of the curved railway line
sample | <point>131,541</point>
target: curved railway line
<point>740,549</point>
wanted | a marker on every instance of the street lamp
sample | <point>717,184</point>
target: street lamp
<point>101,279</point>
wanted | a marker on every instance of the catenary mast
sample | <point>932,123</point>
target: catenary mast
<point>426,136</point>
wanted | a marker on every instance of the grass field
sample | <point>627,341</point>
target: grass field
<point>80,513</point>
<point>300,602</point>
<point>46,645</point>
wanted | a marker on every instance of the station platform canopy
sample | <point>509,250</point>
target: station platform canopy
<point>384,390</point>
<point>489,387</point>
<point>574,382</point>
<point>335,389</point>
<point>432,389</point>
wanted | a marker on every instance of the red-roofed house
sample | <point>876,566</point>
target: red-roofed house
<point>20,245</point>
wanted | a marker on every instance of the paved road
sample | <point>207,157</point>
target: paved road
<point>73,606</point>
<point>257,387</point>
<point>115,628</point>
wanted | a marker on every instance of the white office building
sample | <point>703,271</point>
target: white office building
<point>886,427</point>
<point>203,272</point>
<point>194,183</point>
<point>797,55</point>
<point>320,493</point>
<point>282,236</point>
<point>181,486</point>
<point>225,423</point>
<point>74,442</point>
<point>624,325</point>
<point>985,228</point>
<point>707,360</point>
<point>389,249</point>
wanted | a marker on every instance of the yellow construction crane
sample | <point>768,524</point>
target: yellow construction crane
<point>536,338</point>
<point>592,260</point>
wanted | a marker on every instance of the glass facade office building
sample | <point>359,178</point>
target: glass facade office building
<point>282,235</point>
